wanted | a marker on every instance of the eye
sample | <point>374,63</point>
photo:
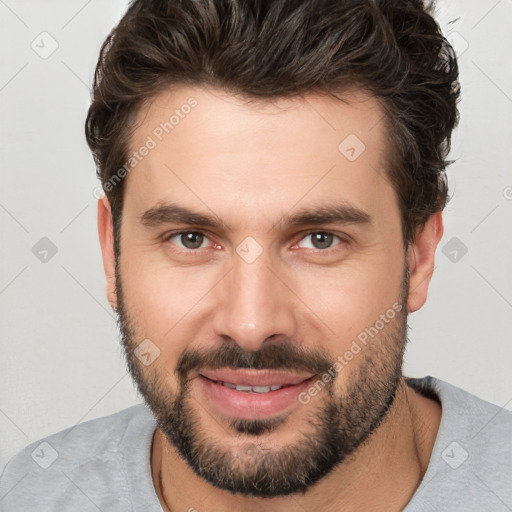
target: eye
<point>190,240</point>
<point>194,240</point>
<point>320,240</point>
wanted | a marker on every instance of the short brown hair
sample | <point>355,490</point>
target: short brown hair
<point>393,49</point>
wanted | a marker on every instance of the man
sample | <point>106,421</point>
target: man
<point>274,180</point>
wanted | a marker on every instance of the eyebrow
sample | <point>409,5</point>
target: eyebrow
<point>167,213</point>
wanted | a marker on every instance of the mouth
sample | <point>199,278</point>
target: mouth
<point>249,389</point>
<point>252,394</point>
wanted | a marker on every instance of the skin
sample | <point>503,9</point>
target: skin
<point>250,165</point>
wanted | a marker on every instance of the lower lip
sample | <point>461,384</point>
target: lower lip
<point>251,405</point>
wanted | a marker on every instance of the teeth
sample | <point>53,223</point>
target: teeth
<point>253,389</point>
<point>240,387</point>
<point>261,389</point>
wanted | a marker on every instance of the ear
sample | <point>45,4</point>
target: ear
<point>420,258</point>
<point>106,234</point>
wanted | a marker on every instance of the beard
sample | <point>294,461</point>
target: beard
<point>334,428</point>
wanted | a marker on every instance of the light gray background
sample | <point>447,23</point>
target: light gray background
<point>60,358</point>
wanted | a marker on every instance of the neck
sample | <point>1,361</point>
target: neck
<point>382,474</point>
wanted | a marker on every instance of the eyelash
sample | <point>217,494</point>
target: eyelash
<point>190,252</point>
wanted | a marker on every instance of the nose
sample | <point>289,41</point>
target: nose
<point>254,304</point>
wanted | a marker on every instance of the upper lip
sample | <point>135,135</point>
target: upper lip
<point>255,377</point>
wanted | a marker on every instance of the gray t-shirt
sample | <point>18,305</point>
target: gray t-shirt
<point>104,464</point>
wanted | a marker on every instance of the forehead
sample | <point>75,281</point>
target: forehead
<point>217,116</point>
<point>253,153</point>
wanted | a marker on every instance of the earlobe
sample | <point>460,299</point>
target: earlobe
<point>106,236</point>
<point>421,260</point>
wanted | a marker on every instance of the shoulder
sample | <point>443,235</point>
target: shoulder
<point>86,440</point>
<point>79,463</point>
<point>466,415</point>
<point>472,457</point>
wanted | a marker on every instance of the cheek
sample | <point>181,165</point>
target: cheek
<point>161,300</point>
<point>352,298</point>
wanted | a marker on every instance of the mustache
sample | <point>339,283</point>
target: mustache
<point>271,356</point>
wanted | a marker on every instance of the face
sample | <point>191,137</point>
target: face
<point>261,259</point>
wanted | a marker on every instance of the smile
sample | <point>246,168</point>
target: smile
<point>251,394</point>
<point>249,389</point>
